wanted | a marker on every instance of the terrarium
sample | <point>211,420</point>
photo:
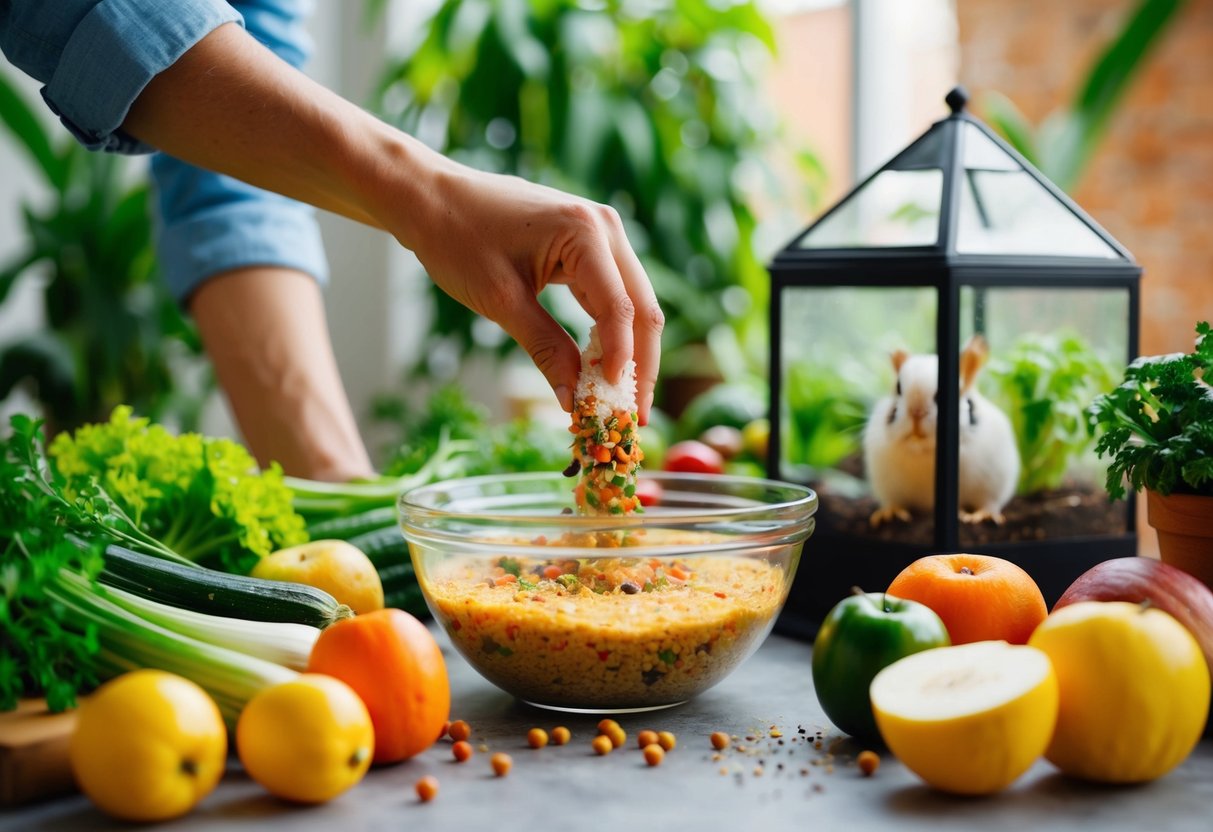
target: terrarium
<point>936,338</point>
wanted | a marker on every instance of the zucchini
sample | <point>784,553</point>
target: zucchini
<point>344,528</point>
<point>219,593</point>
<point>384,546</point>
<point>408,599</point>
<point>397,574</point>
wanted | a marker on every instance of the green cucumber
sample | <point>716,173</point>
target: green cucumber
<point>219,593</point>
<point>353,525</point>
<point>384,546</point>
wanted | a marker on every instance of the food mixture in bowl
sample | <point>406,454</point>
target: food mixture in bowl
<point>609,632</point>
<point>606,612</point>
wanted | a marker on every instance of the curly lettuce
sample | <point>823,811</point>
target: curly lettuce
<point>204,498</point>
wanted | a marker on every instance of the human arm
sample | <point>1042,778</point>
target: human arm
<point>492,242</point>
<point>265,331</point>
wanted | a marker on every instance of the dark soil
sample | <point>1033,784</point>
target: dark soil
<point>1075,510</point>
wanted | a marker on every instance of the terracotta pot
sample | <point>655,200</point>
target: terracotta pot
<point>1184,523</point>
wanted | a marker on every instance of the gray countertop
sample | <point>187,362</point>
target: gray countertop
<point>570,788</point>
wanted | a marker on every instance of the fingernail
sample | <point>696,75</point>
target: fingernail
<point>565,397</point>
<point>644,409</point>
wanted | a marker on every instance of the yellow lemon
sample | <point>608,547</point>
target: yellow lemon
<point>306,740</point>
<point>1134,690</point>
<point>969,719</point>
<point>337,567</point>
<point>148,746</point>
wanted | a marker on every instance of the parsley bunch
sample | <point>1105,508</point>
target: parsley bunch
<point>1159,423</point>
<point>41,534</point>
<point>203,498</point>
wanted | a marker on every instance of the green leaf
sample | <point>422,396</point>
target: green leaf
<point>14,270</point>
<point>45,361</point>
<point>1122,60</point>
<point>1011,123</point>
<point>20,120</point>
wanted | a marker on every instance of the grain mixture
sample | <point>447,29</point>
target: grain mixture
<point>607,632</point>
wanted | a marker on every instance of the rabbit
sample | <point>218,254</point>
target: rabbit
<point>899,442</point>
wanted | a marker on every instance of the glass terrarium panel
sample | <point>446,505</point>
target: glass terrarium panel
<point>838,385</point>
<point>896,208</point>
<point>1004,210</point>
<point>1051,351</point>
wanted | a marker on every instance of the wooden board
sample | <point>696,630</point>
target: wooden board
<point>33,753</point>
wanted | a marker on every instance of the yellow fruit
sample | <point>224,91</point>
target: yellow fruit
<point>968,719</point>
<point>148,746</point>
<point>337,567</point>
<point>1134,690</point>
<point>306,740</point>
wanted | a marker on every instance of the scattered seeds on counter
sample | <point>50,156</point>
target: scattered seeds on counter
<point>462,751</point>
<point>654,754</point>
<point>646,738</point>
<point>459,730</point>
<point>560,735</point>
<point>483,748</point>
<point>537,738</point>
<point>869,762</point>
<point>666,740</point>
<point>502,763</point>
<point>427,788</point>
<point>602,745</point>
<point>720,740</point>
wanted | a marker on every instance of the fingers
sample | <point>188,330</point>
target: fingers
<point>648,320</point>
<point>550,347</point>
<point>588,260</point>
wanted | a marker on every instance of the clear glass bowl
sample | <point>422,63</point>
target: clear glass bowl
<point>606,613</point>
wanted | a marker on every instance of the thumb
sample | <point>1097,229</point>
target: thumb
<point>549,345</point>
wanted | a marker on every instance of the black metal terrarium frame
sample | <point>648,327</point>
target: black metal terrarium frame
<point>834,562</point>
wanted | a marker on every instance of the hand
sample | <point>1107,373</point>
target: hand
<point>497,241</point>
<point>492,242</point>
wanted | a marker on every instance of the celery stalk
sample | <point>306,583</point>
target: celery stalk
<point>128,641</point>
<point>279,642</point>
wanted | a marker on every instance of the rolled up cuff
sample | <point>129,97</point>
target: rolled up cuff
<point>115,50</point>
<point>283,234</point>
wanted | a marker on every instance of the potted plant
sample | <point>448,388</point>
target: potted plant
<point>1158,430</point>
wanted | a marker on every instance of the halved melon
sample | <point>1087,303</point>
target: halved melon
<point>968,719</point>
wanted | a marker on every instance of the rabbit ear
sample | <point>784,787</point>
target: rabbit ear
<point>972,359</point>
<point>899,357</point>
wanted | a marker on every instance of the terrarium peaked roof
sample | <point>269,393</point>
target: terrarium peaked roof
<point>961,193</point>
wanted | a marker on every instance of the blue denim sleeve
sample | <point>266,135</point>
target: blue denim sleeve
<point>96,56</point>
<point>209,223</point>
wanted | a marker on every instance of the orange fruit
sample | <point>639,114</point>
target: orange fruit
<point>979,597</point>
<point>393,663</point>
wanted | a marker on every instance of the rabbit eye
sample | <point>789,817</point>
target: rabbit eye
<point>899,387</point>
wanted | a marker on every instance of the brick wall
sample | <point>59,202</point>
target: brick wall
<point>1151,183</point>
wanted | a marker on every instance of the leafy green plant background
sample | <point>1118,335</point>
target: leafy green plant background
<point>1064,143</point>
<point>655,108</point>
<point>113,335</point>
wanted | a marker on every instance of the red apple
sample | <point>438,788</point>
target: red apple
<point>1145,579</point>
